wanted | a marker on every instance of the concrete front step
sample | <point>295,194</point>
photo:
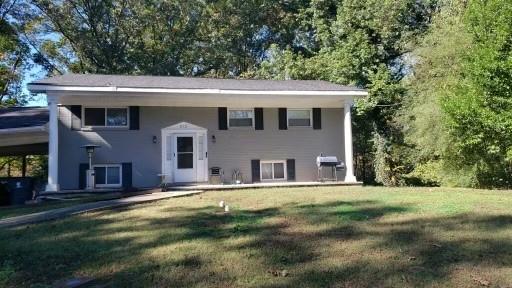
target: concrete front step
<point>191,187</point>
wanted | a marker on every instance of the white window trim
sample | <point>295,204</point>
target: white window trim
<point>105,126</point>
<point>110,185</point>
<point>299,109</point>
<point>242,127</point>
<point>272,162</point>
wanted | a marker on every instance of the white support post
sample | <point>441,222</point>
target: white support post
<point>53,146</point>
<point>347,129</point>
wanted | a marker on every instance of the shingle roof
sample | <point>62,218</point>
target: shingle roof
<point>21,117</point>
<point>168,82</point>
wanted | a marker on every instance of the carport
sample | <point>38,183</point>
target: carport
<point>23,132</point>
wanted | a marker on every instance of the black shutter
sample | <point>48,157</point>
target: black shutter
<point>223,118</point>
<point>76,117</point>
<point>282,119</point>
<point>290,169</point>
<point>127,175</point>
<point>317,118</point>
<point>82,170</point>
<point>258,118</point>
<point>134,117</point>
<point>255,168</point>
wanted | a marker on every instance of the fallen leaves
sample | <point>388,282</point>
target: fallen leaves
<point>278,272</point>
<point>481,281</point>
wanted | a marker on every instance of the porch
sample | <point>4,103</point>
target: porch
<point>206,186</point>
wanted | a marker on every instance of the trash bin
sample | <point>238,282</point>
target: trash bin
<point>4,195</point>
<point>20,189</point>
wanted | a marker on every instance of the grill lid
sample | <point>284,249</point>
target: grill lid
<point>326,161</point>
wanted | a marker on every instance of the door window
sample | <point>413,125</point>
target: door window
<point>185,152</point>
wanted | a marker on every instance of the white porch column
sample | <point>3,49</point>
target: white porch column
<point>53,146</point>
<point>347,129</point>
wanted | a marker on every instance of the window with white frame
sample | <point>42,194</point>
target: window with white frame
<point>299,117</point>
<point>105,117</point>
<point>273,170</point>
<point>108,175</point>
<point>241,117</point>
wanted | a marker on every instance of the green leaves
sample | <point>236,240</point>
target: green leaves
<point>478,108</point>
<point>13,56</point>
<point>217,38</point>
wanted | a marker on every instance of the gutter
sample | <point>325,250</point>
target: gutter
<point>32,129</point>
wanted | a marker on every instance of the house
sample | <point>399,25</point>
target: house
<point>177,128</point>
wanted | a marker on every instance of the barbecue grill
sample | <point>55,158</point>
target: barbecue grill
<point>330,162</point>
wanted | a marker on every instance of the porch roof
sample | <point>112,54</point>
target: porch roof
<point>168,82</point>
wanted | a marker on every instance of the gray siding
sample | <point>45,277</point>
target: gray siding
<point>233,149</point>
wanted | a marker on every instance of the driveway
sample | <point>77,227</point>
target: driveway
<point>88,207</point>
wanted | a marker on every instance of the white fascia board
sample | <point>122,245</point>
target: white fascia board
<point>23,130</point>
<point>43,88</point>
<point>39,88</point>
<point>242,92</point>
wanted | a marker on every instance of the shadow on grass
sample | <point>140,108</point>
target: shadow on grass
<point>273,236</point>
<point>347,211</point>
<point>430,260</point>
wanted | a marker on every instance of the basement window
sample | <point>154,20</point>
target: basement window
<point>273,170</point>
<point>108,175</point>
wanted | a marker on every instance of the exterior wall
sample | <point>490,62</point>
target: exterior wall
<point>233,149</point>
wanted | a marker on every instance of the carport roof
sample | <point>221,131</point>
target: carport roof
<point>23,131</point>
<point>23,117</point>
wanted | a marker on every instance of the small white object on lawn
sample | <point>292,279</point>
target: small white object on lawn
<point>221,203</point>
<point>226,208</point>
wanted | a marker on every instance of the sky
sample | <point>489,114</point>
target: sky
<point>39,99</point>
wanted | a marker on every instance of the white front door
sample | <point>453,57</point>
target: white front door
<point>184,164</point>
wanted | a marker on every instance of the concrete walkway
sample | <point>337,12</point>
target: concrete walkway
<point>88,207</point>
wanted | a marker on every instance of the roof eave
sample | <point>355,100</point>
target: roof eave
<point>43,88</point>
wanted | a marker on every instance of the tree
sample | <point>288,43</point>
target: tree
<point>437,68</point>
<point>123,37</point>
<point>14,56</point>
<point>220,38</point>
<point>479,107</point>
<point>363,43</point>
<point>235,35</point>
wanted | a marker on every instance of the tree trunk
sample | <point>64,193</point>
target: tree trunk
<point>23,165</point>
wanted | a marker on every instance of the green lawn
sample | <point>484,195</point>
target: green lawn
<point>300,237</point>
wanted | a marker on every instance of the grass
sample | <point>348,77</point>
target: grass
<point>296,237</point>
